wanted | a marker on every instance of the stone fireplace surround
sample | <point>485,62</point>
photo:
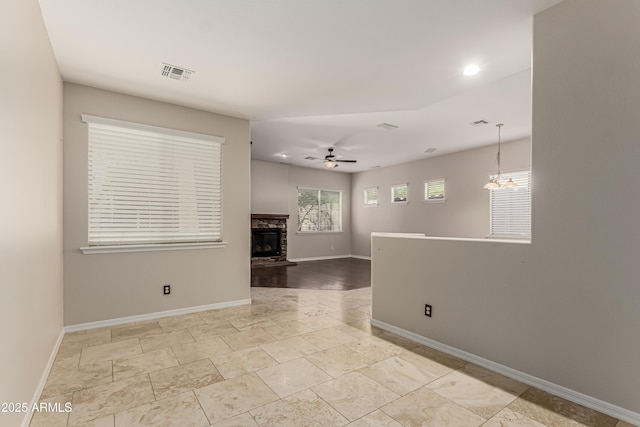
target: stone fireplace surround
<point>261,221</point>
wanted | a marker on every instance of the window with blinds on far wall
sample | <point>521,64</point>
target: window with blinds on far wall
<point>371,196</point>
<point>151,185</point>
<point>510,208</point>
<point>399,193</point>
<point>434,190</point>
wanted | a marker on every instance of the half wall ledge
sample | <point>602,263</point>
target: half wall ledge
<point>455,239</point>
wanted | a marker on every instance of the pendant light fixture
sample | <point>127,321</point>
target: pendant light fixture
<point>495,183</point>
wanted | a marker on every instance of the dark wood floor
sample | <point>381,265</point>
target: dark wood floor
<point>335,274</point>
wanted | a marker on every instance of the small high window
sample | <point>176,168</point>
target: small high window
<point>434,190</point>
<point>371,196</point>
<point>399,193</point>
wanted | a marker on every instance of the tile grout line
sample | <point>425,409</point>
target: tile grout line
<point>201,407</point>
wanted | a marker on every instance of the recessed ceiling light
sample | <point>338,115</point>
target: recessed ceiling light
<point>284,156</point>
<point>471,70</point>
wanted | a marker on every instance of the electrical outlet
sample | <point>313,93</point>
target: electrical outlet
<point>167,289</point>
<point>428,310</point>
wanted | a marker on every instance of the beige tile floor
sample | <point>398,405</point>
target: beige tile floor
<point>294,357</point>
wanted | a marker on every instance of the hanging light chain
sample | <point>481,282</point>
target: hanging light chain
<point>499,126</point>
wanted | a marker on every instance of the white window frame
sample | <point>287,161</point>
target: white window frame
<point>370,202</point>
<point>393,188</point>
<point>319,190</point>
<point>510,208</point>
<point>152,188</point>
<point>444,190</point>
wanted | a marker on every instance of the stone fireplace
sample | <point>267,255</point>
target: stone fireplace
<point>269,239</point>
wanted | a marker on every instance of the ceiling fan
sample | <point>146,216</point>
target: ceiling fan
<point>331,162</point>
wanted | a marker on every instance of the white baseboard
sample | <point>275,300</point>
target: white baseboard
<point>319,258</point>
<point>156,315</point>
<point>322,258</point>
<point>43,380</point>
<point>555,389</point>
<point>368,258</point>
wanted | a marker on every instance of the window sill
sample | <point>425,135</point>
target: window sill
<point>434,201</point>
<point>109,249</point>
<point>509,237</point>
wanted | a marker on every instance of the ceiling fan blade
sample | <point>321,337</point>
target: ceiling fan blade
<point>341,141</point>
<point>331,159</point>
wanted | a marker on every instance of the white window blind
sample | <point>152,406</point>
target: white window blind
<point>399,193</point>
<point>510,208</point>
<point>434,190</point>
<point>371,196</point>
<point>152,185</point>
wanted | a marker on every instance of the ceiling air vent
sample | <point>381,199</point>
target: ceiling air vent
<point>311,158</point>
<point>175,73</point>
<point>479,123</point>
<point>430,150</point>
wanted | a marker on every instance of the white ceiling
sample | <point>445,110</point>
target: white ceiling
<point>315,74</point>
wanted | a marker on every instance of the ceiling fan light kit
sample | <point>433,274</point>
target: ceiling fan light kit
<point>331,162</point>
<point>495,183</point>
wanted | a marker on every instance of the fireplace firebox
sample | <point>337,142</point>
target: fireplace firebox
<point>265,242</point>
<point>269,240</point>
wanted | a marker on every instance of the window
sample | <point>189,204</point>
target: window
<point>319,210</point>
<point>434,190</point>
<point>399,193</point>
<point>371,196</point>
<point>510,208</point>
<point>150,185</point>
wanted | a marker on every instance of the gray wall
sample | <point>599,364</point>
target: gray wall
<point>465,213</point>
<point>108,286</point>
<point>564,308</point>
<point>274,189</point>
<point>269,188</point>
<point>31,214</point>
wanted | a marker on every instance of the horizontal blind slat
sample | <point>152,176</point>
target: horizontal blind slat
<point>148,187</point>
<point>510,209</point>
